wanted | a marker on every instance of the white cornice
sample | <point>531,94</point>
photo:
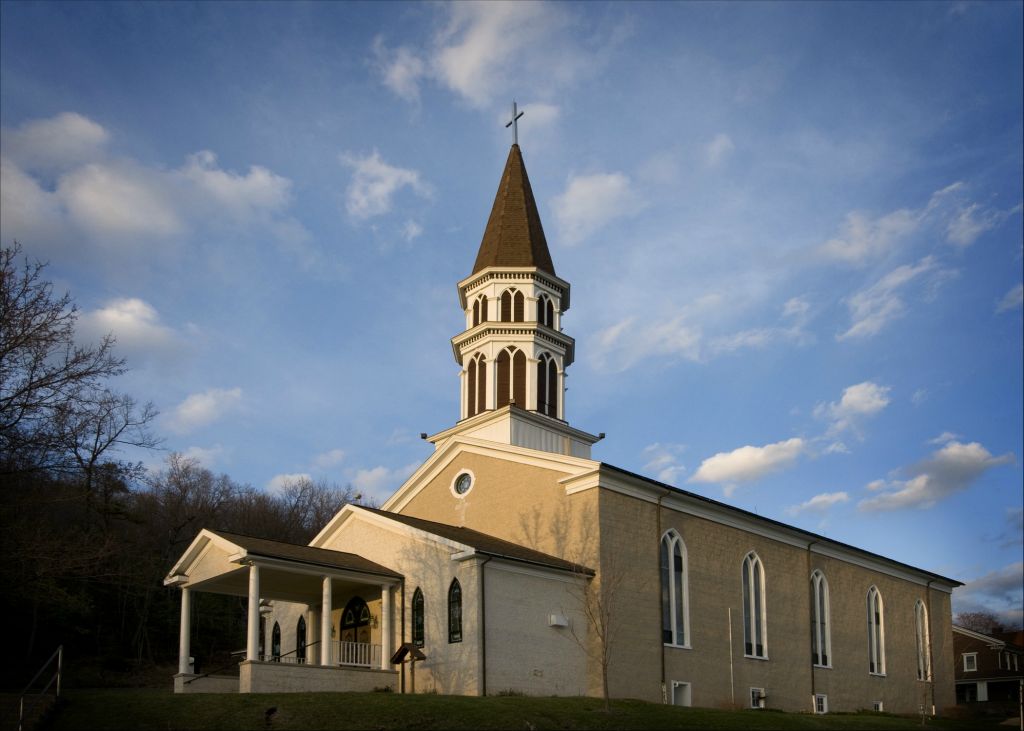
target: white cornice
<point>512,332</point>
<point>555,283</point>
<point>641,489</point>
<point>506,412</point>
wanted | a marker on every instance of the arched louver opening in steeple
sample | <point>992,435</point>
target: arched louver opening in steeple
<point>545,311</point>
<point>505,306</point>
<point>479,310</point>
<point>504,366</point>
<point>476,313</point>
<point>476,386</point>
<point>547,385</point>
<point>519,379</point>
<point>511,366</point>
<point>518,307</point>
<point>483,308</point>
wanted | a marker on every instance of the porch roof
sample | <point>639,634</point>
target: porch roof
<point>483,543</point>
<point>266,548</point>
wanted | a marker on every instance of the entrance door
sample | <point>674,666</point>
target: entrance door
<point>355,622</point>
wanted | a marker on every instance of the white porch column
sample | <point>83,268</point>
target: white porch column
<point>252,645</point>
<point>385,627</point>
<point>325,624</point>
<point>185,629</point>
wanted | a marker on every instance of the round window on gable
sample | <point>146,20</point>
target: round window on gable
<point>462,483</point>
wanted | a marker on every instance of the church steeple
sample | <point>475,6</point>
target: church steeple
<point>513,353</point>
<point>514,236</point>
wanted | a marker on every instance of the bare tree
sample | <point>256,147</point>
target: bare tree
<point>984,622</point>
<point>42,370</point>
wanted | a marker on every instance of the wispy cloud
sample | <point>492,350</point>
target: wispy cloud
<point>279,483</point>
<point>328,459</point>
<point>1000,592</point>
<point>375,183</point>
<point>749,463</point>
<point>55,144</point>
<point>134,323</point>
<point>591,202</point>
<point>718,150</point>
<point>1013,300</point>
<point>201,409</point>
<point>857,404</point>
<point>950,469</point>
<point>873,308</point>
<point>376,483</point>
<point>663,461</point>
<point>819,503</point>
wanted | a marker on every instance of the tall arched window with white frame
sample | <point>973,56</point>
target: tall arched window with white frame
<point>821,638</point>
<point>924,657</point>
<point>675,597</point>
<point>876,632</point>
<point>755,641</point>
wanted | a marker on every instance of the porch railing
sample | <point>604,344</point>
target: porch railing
<point>358,654</point>
<point>33,698</point>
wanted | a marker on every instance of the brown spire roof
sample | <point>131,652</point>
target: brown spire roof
<point>514,236</point>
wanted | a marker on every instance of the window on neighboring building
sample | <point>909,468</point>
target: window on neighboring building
<point>876,632</point>
<point>455,612</point>
<point>417,617</point>
<point>300,640</point>
<point>970,662</point>
<point>754,624</point>
<point>275,643</point>
<point>877,706</point>
<point>821,640</point>
<point>675,601</point>
<point>820,703</point>
<point>757,696</point>
<point>924,660</point>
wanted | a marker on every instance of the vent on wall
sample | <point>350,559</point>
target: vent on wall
<point>558,620</point>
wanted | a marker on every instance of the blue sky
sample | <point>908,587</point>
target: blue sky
<point>793,233</point>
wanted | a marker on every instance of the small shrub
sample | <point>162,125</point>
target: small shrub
<point>509,692</point>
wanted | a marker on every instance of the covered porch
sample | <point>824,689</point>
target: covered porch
<point>337,645</point>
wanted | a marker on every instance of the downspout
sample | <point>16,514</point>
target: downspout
<point>931,665</point>
<point>661,639</point>
<point>401,593</point>
<point>483,628</point>
<point>814,629</point>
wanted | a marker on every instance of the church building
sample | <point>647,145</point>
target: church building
<point>512,561</point>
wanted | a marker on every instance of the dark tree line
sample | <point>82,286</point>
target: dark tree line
<point>86,536</point>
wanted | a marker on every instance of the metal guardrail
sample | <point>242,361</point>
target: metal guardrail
<point>288,657</point>
<point>57,655</point>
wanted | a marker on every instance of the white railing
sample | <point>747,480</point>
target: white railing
<point>359,654</point>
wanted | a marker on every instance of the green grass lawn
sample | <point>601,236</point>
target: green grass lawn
<point>159,709</point>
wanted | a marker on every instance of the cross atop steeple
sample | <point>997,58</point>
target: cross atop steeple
<point>514,123</point>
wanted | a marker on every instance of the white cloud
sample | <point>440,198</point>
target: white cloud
<point>206,456</point>
<point>27,211</point>
<point>591,202</point>
<point>241,196</point>
<point>56,143</point>
<point>819,503</point>
<point>278,483</point>
<point>858,402</point>
<point>200,409</point>
<point>1013,300</point>
<point>541,114</point>
<point>718,149</point>
<point>401,68</point>
<point>411,230</point>
<point>120,200</point>
<point>663,461</point>
<point>133,322</point>
<point>950,469</point>
<point>1000,592</point>
<point>328,459</point>
<point>919,396</point>
<point>749,463</point>
<point>378,482</point>
<point>873,308</point>
<point>970,223</point>
<point>375,183</point>
<point>944,438</point>
<point>861,237</point>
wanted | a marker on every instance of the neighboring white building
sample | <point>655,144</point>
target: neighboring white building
<point>512,561</point>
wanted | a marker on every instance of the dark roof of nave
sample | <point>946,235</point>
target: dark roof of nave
<point>814,537</point>
<point>306,554</point>
<point>514,236</point>
<point>485,544</point>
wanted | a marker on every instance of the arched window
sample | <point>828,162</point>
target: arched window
<point>511,365</point>
<point>518,307</point>
<point>547,385</point>
<point>876,632</point>
<point>675,599</point>
<point>300,640</point>
<point>754,624</point>
<point>821,640</point>
<point>483,308</point>
<point>455,612</point>
<point>545,311</point>
<point>476,313</point>
<point>275,643</point>
<point>417,617</point>
<point>476,386</point>
<point>355,621</point>
<point>505,315</point>
<point>924,659</point>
